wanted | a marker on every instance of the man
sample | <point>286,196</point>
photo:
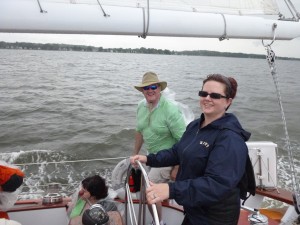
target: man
<point>160,124</point>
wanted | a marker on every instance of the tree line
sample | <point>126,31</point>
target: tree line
<point>142,50</point>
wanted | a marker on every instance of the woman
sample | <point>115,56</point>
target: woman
<point>212,156</point>
<point>93,190</point>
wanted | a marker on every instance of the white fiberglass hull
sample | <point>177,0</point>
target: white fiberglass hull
<point>18,16</point>
<point>32,212</point>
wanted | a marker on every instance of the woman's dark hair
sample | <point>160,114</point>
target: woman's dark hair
<point>96,186</point>
<point>230,84</point>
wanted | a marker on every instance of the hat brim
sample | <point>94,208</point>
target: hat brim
<point>163,85</point>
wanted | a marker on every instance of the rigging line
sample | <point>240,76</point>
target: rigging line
<point>271,61</point>
<point>224,36</point>
<point>293,11</point>
<point>130,205</point>
<point>147,185</point>
<point>146,26</point>
<point>274,26</point>
<point>41,10</point>
<point>47,185</point>
<point>142,207</point>
<point>70,161</point>
<point>128,198</point>
<point>104,13</point>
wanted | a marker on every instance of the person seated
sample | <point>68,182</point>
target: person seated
<point>94,191</point>
<point>11,178</point>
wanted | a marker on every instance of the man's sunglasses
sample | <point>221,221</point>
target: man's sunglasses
<point>152,87</point>
<point>212,95</point>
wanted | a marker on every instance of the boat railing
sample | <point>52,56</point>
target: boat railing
<point>69,161</point>
<point>129,208</point>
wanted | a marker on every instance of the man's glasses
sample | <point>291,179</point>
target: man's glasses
<point>152,87</point>
<point>212,95</point>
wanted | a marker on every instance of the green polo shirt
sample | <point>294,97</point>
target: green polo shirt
<point>162,127</point>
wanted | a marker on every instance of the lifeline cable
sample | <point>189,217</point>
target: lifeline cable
<point>70,161</point>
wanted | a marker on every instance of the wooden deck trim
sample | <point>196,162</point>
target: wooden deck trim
<point>26,205</point>
<point>279,194</point>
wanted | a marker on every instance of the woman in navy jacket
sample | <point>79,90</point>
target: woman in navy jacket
<point>212,156</point>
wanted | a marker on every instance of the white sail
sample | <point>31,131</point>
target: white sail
<point>240,7</point>
<point>106,17</point>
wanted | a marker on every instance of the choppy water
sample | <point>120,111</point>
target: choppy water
<point>64,106</point>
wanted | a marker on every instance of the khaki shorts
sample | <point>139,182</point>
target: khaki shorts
<point>160,175</point>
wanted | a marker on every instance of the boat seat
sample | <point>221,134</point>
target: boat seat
<point>273,214</point>
<point>115,218</point>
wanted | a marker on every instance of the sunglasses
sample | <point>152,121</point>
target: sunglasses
<point>152,87</point>
<point>212,95</point>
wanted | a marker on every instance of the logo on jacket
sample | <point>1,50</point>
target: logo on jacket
<point>204,143</point>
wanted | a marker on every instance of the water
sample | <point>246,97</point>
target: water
<point>64,106</point>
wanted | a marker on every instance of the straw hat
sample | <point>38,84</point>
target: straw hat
<point>150,78</point>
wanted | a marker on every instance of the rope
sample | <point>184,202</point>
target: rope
<point>271,61</point>
<point>129,201</point>
<point>274,26</point>
<point>41,10</point>
<point>104,13</point>
<point>224,36</point>
<point>130,205</point>
<point>146,26</point>
<point>293,10</point>
<point>146,179</point>
<point>71,161</point>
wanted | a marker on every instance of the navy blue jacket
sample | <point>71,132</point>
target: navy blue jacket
<point>212,162</point>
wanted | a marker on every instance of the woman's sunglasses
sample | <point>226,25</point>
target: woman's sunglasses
<point>212,95</point>
<point>152,87</point>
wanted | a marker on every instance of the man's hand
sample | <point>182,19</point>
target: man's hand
<point>141,158</point>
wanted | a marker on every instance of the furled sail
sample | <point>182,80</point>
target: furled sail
<point>240,7</point>
<point>206,18</point>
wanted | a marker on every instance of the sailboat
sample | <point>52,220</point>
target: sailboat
<point>202,19</point>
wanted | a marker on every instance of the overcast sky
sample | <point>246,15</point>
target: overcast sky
<point>281,48</point>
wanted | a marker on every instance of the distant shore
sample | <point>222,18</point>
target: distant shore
<point>84,48</point>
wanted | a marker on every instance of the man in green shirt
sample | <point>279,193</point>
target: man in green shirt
<point>160,124</point>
